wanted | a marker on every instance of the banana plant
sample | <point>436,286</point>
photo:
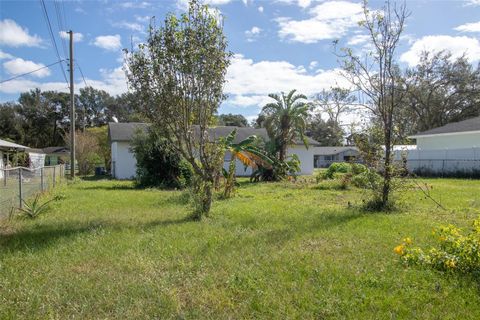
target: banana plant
<point>247,152</point>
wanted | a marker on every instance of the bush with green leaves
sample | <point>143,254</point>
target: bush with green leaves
<point>337,167</point>
<point>278,170</point>
<point>455,252</point>
<point>158,165</point>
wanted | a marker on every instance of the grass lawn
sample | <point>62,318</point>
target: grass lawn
<point>276,250</point>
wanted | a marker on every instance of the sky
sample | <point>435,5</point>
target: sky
<point>278,45</point>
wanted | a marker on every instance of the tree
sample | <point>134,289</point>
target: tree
<point>327,133</point>
<point>178,75</point>
<point>158,165</point>
<point>440,90</point>
<point>334,103</point>
<point>236,120</point>
<point>104,149</point>
<point>247,152</point>
<point>86,151</point>
<point>10,123</point>
<point>376,74</point>
<point>285,120</point>
<point>94,106</point>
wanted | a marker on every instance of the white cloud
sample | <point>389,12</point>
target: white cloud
<point>329,20</point>
<point>260,9</point>
<point>301,3</point>
<point>472,3</point>
<point>133,26</point>
<point>77,36</point>
<point>469,27</point>
<point>142,19</point>
<point>110,42</point>
<point>18,66</point>
<point>313,65</point>
<point>135,5</point>
<point>112,80</point>
<point>253,33</point>
<point>13,35</point>
<point>358,39</point>
<point>456,45</point>
<point>249,82</point>
<point>183,4</point>
<point>4,55</point>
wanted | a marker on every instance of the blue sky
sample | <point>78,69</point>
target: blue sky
<point>278,44</point>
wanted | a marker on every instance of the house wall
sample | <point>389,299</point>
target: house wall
<point>2,166</point>
<point>123,161</point>
<point>447,161</point>
<point>454,141</point>
<point>323,162</point>
<point>305,156</point>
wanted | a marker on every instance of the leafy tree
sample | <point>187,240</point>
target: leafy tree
<point>236,120</point>
<point>376,74</point>
<point>87,151</point>
<point>247,152</point>
<point>104,149</point>
<point>178,75</point>
<point>44,117</point>
<point>95,107</point>
<point>10,123</point>
<point>440,90</point>
<point>327,133</point>
<point>158,163</point>
<point>285,120</point>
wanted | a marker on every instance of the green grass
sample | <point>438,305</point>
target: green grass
<point>276,250</point>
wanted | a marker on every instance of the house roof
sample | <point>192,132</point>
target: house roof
<point>323,151</point>
<point>468,125</point>
<point>10,145</point>
<point>126,131</point>
<point>56,150</point>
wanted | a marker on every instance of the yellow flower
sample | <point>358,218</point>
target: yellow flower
<point>450,263</point>
<point>399,249</point>
<point>407,240</point>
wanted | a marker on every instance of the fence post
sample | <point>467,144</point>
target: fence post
<point>5,177</point>
<point>42,187</point>
<point>54,176</point>
<point>20,186</point>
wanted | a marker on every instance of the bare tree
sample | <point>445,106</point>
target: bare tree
<point>179,75</point>
<point>376,74</point>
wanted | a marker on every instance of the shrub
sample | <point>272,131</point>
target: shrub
<point>158,165</point>
<point>368,179</point>
<point>455,252</point>
<point>337,167</point>
<point>279,170</point>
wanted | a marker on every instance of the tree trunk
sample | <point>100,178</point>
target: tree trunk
<point>230,183</point>
<point>387,176</point>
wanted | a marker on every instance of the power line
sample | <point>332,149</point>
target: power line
<point>61,26</point>
<point>27,73</point>
<point>80,69</point>
<point>52,37</point>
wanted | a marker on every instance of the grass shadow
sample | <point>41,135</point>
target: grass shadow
<point>45,236</point>
<point>106,177</point>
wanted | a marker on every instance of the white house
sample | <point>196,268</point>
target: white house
<point>6,148</point>
<point>325,156</point>
<point>124,163</point>
<point>453,148</point>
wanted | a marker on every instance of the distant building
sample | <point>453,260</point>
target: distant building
<point>323,157</point>
<point>453,149</point>
<point>124,162</point>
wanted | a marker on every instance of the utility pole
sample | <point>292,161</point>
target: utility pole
<point>72,112</point>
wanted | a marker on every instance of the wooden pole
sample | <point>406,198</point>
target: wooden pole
<point>72,112</point>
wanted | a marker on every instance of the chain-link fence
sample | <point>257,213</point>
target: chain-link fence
<point>18,184</point>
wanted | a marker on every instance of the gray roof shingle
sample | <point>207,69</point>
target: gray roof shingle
<point>126,131</point>
<point>324,151</point>
<point>472,124</point>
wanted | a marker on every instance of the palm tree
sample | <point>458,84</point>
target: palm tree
<point>286,120</point>
<point>247,152</point>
